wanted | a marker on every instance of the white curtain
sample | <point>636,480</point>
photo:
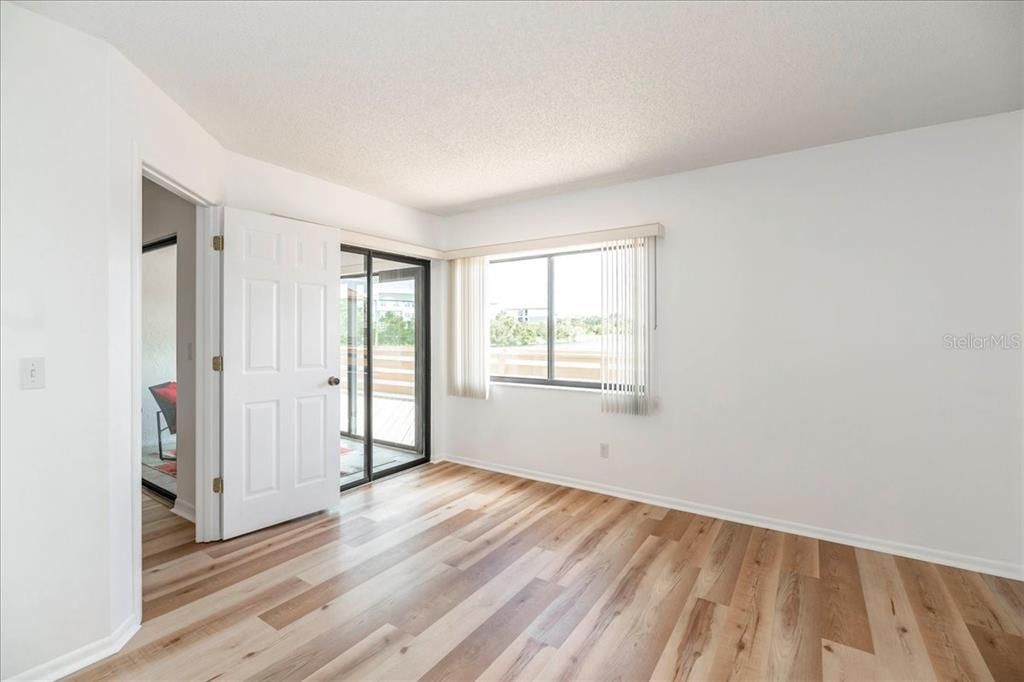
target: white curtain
<point>627,313</point>
<point>468,328</point>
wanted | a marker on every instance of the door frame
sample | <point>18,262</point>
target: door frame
<point>209,221</point>
<point>209,408</point>
<point>207,214</point>
<point>423,394</point>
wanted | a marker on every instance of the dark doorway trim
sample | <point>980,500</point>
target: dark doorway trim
<point>423,392</point>
<point>162,492</point>
<point>160,243</point>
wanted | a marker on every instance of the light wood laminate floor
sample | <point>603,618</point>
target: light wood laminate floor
<point>449,572</point>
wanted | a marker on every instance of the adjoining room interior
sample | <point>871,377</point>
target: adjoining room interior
<point>512,340</point>
<point>167,308</point>
<point>159,366</point>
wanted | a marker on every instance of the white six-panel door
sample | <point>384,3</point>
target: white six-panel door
<point>280,346</point>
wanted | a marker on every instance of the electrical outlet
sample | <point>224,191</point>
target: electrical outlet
<point>32,372</point>
<point>604,450</point>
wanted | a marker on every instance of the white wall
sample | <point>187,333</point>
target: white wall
<point>261,186</point>
<point>54,456</point>
<point>74,115</point>
<point>803,300</point>
<point>142,120</point>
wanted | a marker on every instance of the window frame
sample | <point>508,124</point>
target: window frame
<point>550,380</point>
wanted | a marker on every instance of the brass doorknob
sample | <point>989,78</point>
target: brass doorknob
<point>333,381</point>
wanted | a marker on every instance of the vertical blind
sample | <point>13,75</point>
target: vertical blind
<point>468,329</point>
<point>627,315</point>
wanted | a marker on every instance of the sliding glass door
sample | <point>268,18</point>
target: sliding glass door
<point>352,329</point>
<point>384,346</point>
<point>398,362</point>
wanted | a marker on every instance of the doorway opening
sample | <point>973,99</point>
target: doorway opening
<point>167,348</point>
<point>384,332</point>
<point>159,366</point>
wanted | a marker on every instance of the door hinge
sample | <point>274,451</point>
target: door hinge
<point>218,243</point>
<point>218,485</point>
<point>218,363</point>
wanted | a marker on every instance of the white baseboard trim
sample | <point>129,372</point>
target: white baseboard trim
<point>184,510</point>
<point>1001,568</point>
<point>62,666</point>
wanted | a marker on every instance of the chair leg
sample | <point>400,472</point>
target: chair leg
<point>159,439</point>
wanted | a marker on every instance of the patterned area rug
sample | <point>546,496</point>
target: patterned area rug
<point>161,473</point>
<point>352,464</point>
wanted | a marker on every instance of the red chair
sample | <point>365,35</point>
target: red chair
<point>166,397</point>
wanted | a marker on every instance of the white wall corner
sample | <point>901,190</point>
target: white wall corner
<point>185,510</point>
<point>62,666</point>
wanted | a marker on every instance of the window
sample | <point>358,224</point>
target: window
<point>577,310</point>
<point>518,311</point>
<point>545,314</point>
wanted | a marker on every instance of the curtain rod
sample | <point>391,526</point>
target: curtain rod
<point>371,241</point>
<point>574,239</point>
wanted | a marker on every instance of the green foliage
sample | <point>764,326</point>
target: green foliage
<point>507,330</point>
<point>572,328</point>
<point>394,330</point>
<point>358,325</point>
<point>390,329</point>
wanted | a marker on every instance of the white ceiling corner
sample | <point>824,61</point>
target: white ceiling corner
<point>452,106</point>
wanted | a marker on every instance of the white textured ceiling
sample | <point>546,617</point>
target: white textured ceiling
<point>452,106</point>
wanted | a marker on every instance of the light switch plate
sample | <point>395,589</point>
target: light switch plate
<point>32,372</point>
